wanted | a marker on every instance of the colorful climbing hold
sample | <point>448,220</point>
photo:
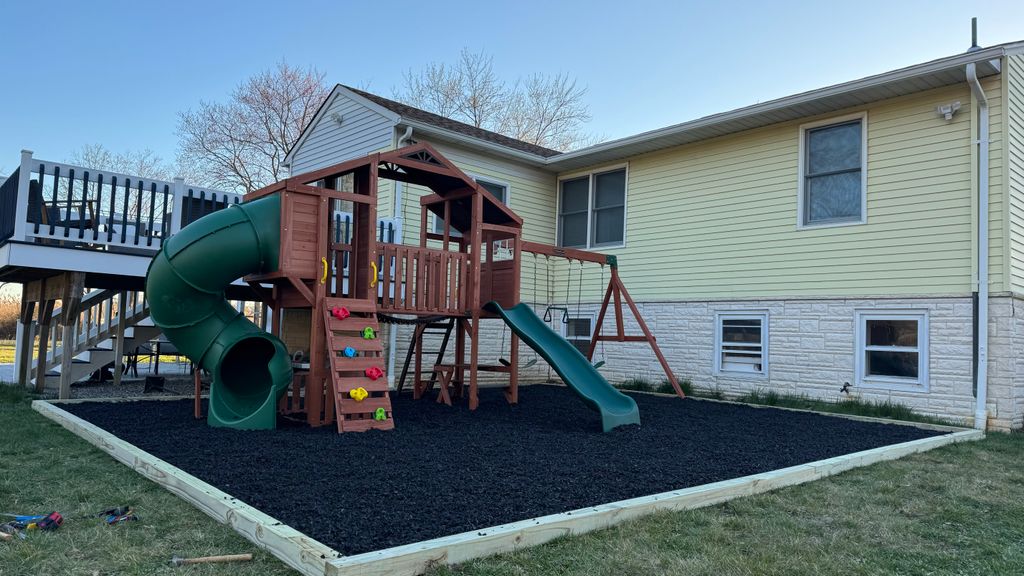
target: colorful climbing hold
<point>340,312</point>
<point>358,394</point>
<point>380,414</point>
<point>369,333</point>
<point>373,372</point>
<point>349,352</point>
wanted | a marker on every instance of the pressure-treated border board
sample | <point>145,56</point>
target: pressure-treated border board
<point>291,546</point>
<point>416,558</point>
<point>315,559</point>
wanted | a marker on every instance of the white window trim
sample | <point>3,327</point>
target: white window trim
<point>476,178</point>
<point>590,205</point>
<point>801,180</point>
<point>741,314</point>
<point>922,383</point>
<point>564,331</point>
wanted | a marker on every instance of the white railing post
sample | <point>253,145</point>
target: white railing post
<point>21,208</point>
<point>177,210</point>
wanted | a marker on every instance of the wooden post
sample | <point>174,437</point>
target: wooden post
<point>197,383</point>
<point>513,377</point>
<point>122,311</point>
<point>45,315</point>
<point>459,375</point>
<point>25,338</point>
<point>74,283</point>
<point>476,243</point>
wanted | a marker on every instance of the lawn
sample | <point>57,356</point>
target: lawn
<point>6,351</point>
<point>955,510</point>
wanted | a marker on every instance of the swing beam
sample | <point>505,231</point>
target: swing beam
<point>616,291</point>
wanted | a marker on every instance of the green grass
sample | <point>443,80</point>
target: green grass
<point>857,407</point>
<point>955,510</point>
<point>44,468</point>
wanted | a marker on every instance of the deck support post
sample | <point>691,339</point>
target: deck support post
<point>122,309</point>
<point>24,339</point>
<point>71,300</point>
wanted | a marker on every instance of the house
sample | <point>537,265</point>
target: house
<point>826,243</point>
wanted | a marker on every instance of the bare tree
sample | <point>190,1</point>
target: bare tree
<point>144,163</point>
<point>241,144</point>
<point>544,110</point>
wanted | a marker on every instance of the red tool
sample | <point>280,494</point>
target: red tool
<point>373,373</point>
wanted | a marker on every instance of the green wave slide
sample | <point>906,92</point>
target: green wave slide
<point>185,286</point>
<point>616,408</point>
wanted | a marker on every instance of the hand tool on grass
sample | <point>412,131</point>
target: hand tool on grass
<point>179,561</point>
<point>50,521</point>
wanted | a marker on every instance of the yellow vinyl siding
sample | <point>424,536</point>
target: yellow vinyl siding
<point>718,218</point>
<point>531,196</point>
<point>1014,74</point>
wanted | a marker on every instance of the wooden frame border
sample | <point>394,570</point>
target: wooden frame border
<point>286,543</point>
<point>315,559</point>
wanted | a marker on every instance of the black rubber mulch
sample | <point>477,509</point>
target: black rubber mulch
<point>447,470</point>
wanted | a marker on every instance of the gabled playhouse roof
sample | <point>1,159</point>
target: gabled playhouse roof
<point>917,78</point>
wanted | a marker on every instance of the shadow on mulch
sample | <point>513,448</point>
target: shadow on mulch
<point>445,470</point>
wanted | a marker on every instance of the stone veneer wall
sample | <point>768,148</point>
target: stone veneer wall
<point>811,351</point>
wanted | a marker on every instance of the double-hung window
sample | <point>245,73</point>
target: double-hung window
<point>497,189</point>
<point>592,210</point>
<point>833,172</point>
<point>741,342</point>
<point>892,349</point>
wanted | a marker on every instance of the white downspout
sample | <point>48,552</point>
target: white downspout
<point>981,407</point>
<point>400,231</point>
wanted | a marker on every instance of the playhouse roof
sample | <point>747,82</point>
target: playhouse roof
<point>420,164</point>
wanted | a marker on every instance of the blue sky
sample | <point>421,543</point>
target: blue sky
<point>117,73</point>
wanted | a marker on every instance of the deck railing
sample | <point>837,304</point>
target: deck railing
<point>414,279</point>
<point>76,206</point>
<point>61,204</point>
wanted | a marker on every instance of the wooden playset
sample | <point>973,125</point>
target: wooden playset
<point>335,283</point>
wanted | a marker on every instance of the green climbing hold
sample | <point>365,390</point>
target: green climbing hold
<point>368,333</point>
<point>380,414</point>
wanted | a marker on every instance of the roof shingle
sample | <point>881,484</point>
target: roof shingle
<point>416,114</point>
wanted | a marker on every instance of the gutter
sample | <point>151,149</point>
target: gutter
<point>981,342</point>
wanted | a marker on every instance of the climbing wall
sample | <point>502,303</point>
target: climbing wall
<point>357,366</point>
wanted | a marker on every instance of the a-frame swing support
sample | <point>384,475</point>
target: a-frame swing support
<point>616,290</point>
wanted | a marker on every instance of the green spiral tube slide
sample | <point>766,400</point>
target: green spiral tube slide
<point>185,286</point>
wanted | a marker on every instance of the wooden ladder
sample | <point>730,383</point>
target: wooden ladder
<point>348,374</point>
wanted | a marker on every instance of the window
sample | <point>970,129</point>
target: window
<point>592,210</point>
<point>500,191</point>
<point>578,331</point>
<point>741,342</point>
<point>892,349</point>
<point>833,168</point>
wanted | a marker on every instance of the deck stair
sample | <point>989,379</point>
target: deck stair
<point>93,344</point>
<point>349,373</point>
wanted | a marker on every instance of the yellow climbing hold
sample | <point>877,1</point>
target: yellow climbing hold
<point>358,394</point>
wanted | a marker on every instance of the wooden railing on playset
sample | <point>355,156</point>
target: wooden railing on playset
<point>417,280</point>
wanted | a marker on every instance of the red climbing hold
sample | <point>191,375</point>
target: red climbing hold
<point>373,373</point>
<point>340,312</point>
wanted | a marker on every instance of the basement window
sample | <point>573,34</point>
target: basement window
<point>833,172</point>
<point>892,349</point>
<point>741,343</point>
<point>578,331</point>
